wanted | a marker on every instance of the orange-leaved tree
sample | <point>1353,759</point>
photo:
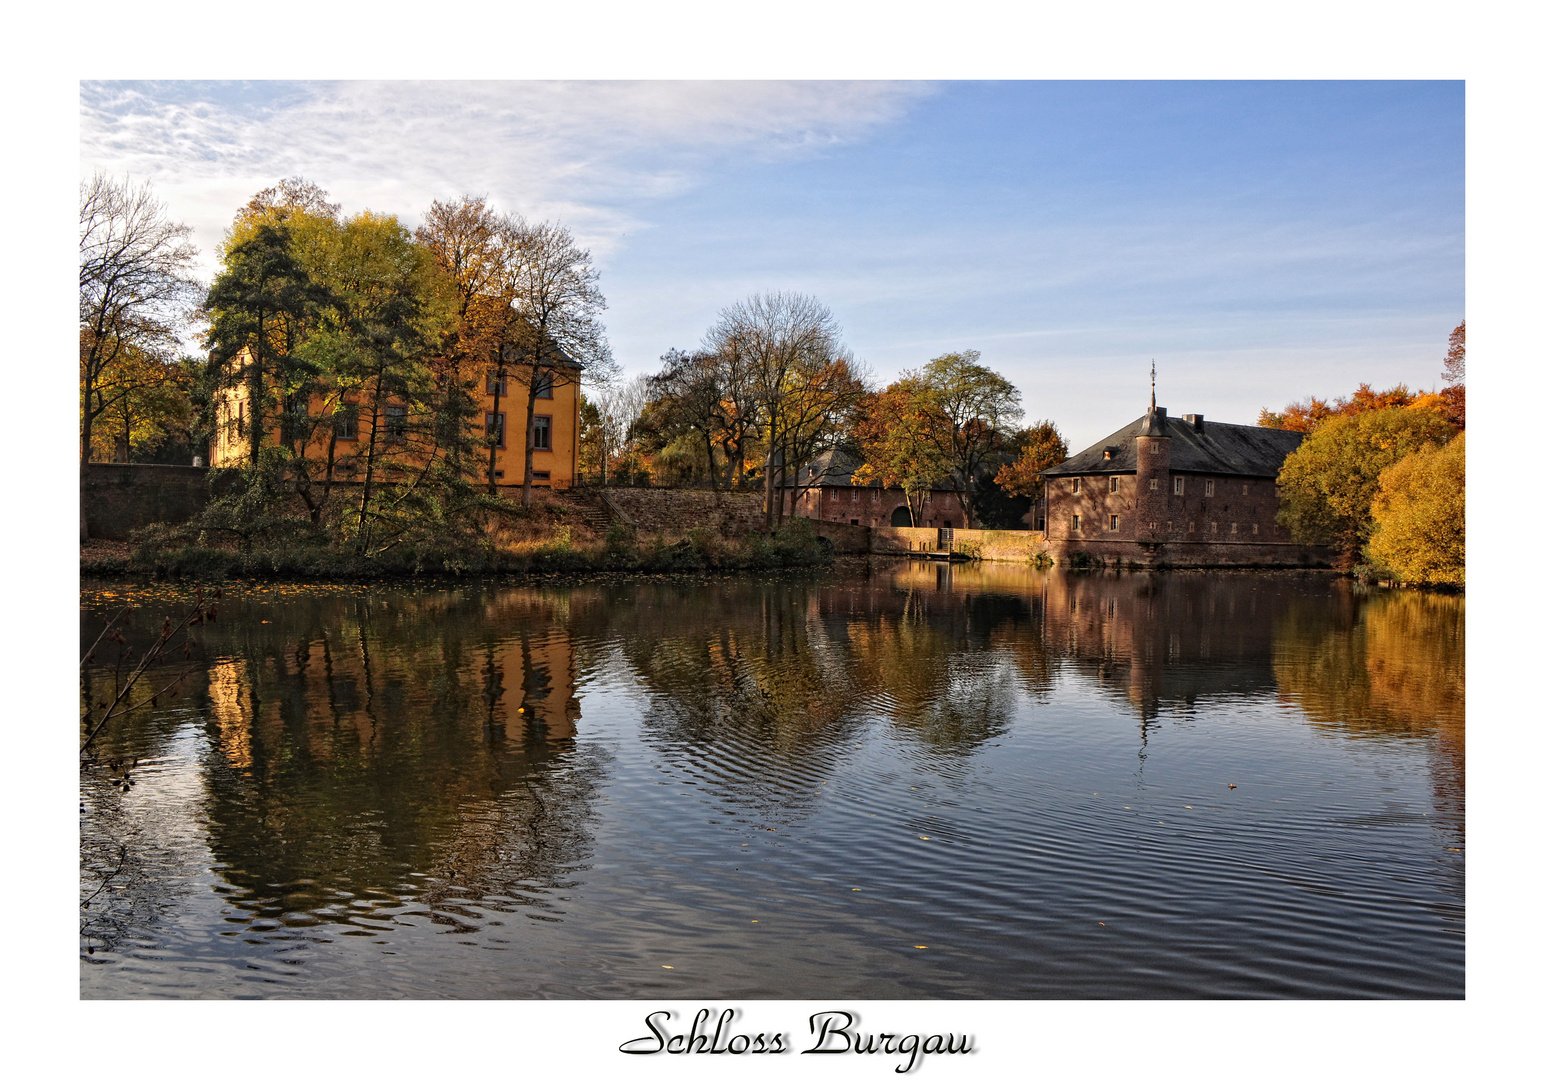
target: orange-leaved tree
<point>895,436</point>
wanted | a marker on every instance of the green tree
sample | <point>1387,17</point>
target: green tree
<point>1329,483</point>
<point>1419,516</point>
<point>261,307</point>
<point>976,412</point>
<point>393,303</point>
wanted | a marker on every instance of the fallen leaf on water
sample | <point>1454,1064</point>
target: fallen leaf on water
<point>667,967</point>
<point>922,838</point>
<point>920,946</point>
<point>1102,924</point>
<point>858,890</point>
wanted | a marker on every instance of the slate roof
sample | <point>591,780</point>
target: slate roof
<point>835,468</point>
<point>1218,449</point>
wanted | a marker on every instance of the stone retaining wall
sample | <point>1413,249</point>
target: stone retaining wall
<point>116,499</point>
<point>679,509</point>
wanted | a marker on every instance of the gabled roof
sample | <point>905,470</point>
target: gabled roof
<point>1201,447</point>
<point>835,468</point>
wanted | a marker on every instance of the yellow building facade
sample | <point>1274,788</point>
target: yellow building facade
<point>340,428</point>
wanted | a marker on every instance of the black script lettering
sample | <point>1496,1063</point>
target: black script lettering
<point>698,1044</point>
<point>778,1045</point>
<point>829,1026</point>
<point>908,1045</point>
<point>658,1039</point>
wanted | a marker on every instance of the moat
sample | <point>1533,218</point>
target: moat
<point>886,780</point>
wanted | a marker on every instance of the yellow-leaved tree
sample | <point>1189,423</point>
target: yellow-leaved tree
<point>1419,516</point>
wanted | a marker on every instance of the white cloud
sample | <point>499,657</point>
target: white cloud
<point>588,153</point>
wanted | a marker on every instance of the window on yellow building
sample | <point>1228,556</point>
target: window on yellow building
<point>542,432</point>
<point>495,383</point>
<point>543,387</point>
<point>493,424</point>
<point>346,422</point>
<point>396,421</point>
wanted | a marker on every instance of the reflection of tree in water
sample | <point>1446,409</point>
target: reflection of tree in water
<point>378,748</point>
<point>766,683</point>
<point>1389,664</point>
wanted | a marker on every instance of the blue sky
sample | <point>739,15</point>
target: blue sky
<point>1259,241</point>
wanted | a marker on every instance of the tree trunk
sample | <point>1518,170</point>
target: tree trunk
<point>362,539</point>
<point>767,473</point>
<point>497,435</point>
<point>525,490</point>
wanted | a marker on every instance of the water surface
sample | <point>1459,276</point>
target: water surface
<point>886,781</point>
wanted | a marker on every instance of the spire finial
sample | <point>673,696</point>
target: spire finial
<point>1153,400</point>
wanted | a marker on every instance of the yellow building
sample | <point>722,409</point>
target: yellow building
<point>334,430</point>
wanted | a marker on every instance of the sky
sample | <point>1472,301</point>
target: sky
<point>1257,242</point>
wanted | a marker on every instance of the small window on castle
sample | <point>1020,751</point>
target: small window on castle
<point>1233,527</point>
<point>1191,527</point>
<point>1244,489</point>
<point>1113,520</point>
<point>1255,529</point>
<point>1208,491</point>
<point>1153,484</point>
<point>1212,526</point>
<point>1075,490</point>
<point>1075,522</point>
<point>1180,485</point>
<point>1114,482</point>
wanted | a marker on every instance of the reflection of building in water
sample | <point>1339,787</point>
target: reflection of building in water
<point>230,705</point>
<point>531,687</point>
<point>1167,638</point>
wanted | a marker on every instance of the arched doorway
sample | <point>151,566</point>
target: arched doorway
<point>901,518</point>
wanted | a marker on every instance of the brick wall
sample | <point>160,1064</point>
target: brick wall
<point>116,499</point>
<point>677,509</point>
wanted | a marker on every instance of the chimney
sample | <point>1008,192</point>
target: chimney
<point>1195,420</point>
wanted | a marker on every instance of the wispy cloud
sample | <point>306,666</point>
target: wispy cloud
<point>591,153</point>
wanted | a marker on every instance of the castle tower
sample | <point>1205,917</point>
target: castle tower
<point>1153,477</point>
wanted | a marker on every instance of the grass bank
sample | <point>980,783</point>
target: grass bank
<point>540,549</point>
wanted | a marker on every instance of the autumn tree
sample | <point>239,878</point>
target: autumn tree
<point>136,289</point>
<point>476,248</point>
<point>1419,516</point>
<point>554,294</point>
<point>1039,447</point>
<point>784,343</point>
<point>893,434</point>
<point>687,399</point>
<point>1310,413</point>
<point>1329,483</point>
